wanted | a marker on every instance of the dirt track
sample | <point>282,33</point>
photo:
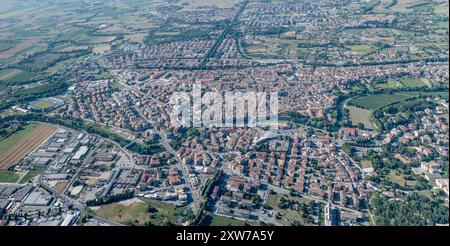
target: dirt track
<point>22,148</point>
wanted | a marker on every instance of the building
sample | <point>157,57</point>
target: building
<point>332,216</point>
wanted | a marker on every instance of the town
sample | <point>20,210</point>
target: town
<point>361,130</point>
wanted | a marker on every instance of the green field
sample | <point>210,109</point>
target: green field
<point>7,143</point>
<point>43,104</point>
<point>390,84</point>
<point>373,102</point>
<point>14,75</point>
<point>8,177</point>
<point>412,82</point>
<point>137,213</point>
<point>442,94</point>
<point>359,115</point>
<point>35,90</point>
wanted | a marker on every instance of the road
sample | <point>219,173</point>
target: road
<point>219,41</point>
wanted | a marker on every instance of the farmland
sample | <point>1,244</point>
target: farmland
<point>20,144</point>
<point>14,75</point>
<point>373,102</point>
<point>6,144</point>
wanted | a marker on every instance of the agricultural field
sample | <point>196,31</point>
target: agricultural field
<point>6,144</point>
<point>137,212</point>
<point>441,94</point>
<point>20,144</point>
<point>22,46</point>
<point>373,102</point>
<point>14,75</point>
<point>101,49</point>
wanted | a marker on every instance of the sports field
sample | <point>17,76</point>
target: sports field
<point>20,144</point>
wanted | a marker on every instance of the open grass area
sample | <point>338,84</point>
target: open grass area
<point>390,84</point>
<point>362,49</point>
<point>137,212</point>
<point>8,177</point>
<point>9,142</point>
<point>366,164</point>
<point>359,115</point>
<point>412,82</point>
<point>400,179</point>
